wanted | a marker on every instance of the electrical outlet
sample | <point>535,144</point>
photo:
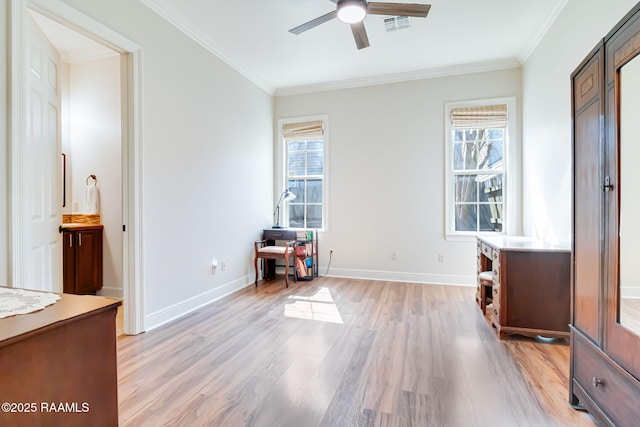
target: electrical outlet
<point>393,256</point>
<point>440,258</point>
<point>223,265</point>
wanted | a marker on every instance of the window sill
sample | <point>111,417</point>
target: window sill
<point>470,237</point>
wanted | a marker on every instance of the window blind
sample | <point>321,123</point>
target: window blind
<point>303,130</point>
<point>482,117</point>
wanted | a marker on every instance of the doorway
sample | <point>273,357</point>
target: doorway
<point>125,256</point>
<point>91,138</point>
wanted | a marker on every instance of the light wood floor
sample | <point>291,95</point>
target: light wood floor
<point>338,352</point>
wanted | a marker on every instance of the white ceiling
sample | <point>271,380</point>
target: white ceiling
<point>457,36</point>
<point>73,46</point>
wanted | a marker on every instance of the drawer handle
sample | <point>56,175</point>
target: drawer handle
<point>596,382</point>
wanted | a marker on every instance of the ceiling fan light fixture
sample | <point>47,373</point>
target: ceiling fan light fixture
<point>352,11</point>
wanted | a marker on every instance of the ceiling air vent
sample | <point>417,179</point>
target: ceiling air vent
<point>394,23</point>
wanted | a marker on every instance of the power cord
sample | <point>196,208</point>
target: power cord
<point>329,265</point>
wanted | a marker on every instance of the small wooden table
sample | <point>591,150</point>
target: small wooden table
<point>62,357</point>
<point>531,289</point>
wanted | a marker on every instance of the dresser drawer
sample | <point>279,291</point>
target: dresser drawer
<point>614,391</point>
<point>279,234</point>
<point>487,251</point>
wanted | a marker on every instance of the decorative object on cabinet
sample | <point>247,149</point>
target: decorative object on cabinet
<point>525,284</point>
<point>14,301</point>
<point>605,344</point>
<point>81,258</point>
<point>284,197</point>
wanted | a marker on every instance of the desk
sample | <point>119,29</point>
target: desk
<point>63,353</point>
<point>531,285</point>
<point>273,235</point>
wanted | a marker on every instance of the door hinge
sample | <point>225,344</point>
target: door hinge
<point>124,227</point>
<point>607,186</point>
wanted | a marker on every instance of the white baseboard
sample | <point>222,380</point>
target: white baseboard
<point>397,276</point>
<point>175,311</point>
<point>631,293</point>
<point>115,293</point>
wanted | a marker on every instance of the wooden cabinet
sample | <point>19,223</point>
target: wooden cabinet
<point>82,259</point>
<point>605,338</point>
<point>530,288</point>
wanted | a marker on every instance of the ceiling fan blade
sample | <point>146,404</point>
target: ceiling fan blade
<point>399,9</point>
<point>360,35</point>
<point>314,23</point>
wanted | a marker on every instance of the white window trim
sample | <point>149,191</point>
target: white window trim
<point>512,171</point>
<point>281,176</point>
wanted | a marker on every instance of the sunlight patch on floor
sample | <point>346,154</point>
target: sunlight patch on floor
<point>319,306</point>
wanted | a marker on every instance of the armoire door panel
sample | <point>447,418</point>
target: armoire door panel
<point>623,100</point>
<point>587,197</point>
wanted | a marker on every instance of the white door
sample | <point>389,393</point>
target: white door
<point>42,162</point>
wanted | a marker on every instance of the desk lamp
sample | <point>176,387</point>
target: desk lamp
<point>285,197</point>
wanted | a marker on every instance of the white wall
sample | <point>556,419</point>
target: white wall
<point>4,145</point>
<point>95,148</point>
<point>207,163</point>
<point>386,175</point>
<point>547,113</point>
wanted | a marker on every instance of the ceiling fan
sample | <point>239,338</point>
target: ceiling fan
<point>353,12</point>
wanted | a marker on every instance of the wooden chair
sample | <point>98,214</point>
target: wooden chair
<point>274,252</point>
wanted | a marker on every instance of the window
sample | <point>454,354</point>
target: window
<point>477,159</point>
<point>304,147</point>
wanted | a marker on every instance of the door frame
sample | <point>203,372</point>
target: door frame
<point>131,99</point>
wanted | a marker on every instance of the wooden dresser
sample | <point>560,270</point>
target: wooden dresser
<point>605,332</point>
<point>63,355</point>
<point>530,292</point>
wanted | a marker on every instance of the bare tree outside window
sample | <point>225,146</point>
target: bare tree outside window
<point>478,179</point>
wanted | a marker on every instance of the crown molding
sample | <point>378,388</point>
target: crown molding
<point>205,41</point>
<point>543,25</point>
<point>86,55</point>
<point>478,67</point>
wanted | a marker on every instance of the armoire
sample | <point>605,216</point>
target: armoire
<point>605,328</point>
